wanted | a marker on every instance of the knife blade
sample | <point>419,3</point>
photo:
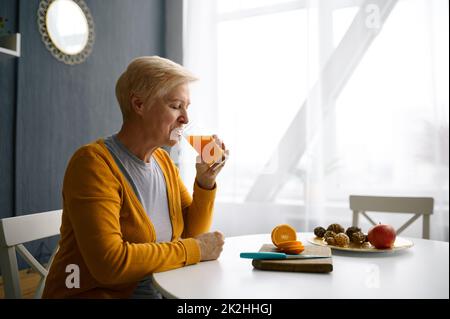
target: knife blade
<point>273,255</point>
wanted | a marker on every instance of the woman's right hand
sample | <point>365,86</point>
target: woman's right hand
<point>211,245</point>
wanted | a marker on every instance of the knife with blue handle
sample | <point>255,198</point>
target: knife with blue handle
<point>272,255</point>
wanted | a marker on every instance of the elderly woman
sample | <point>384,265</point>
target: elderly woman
<point>126,212</point>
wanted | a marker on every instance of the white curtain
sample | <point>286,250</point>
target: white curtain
<point>317,100</point>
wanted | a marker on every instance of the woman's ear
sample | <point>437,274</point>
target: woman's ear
<point>137,105</point>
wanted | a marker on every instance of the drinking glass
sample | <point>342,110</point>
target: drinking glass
<point>204,145</point>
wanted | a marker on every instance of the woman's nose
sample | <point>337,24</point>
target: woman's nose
<point>184,119</point>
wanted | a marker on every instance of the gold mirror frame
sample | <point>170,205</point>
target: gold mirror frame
<point>70,59</point>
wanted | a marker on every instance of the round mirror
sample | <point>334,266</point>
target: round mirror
<point>67,26</point>
<point>67,29</point>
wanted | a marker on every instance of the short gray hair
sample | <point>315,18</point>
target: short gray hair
<point>149,77</point>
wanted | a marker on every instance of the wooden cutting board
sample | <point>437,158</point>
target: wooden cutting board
<point>321,265</point>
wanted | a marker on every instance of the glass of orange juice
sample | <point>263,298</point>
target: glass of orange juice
<point>206,147</point>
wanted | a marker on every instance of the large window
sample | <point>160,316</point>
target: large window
<point>392,116</point>
<point>379,126</point>
<point>262,80</point>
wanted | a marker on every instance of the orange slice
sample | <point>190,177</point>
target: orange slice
<point>283,233</point>
<point>291,247</point>
<point>290,244</point>
<point>294,251</point>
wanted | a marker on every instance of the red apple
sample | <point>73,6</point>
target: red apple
<point>382,236</point>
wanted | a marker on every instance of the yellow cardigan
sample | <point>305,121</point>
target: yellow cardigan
<point>108,235</point>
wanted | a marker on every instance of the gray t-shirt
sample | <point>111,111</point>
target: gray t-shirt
<point>149,185</point>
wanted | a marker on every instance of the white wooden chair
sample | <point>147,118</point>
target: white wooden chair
<point>15,231</point>
<point>419,206</point>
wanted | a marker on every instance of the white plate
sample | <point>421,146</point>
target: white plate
<point>400,243</point>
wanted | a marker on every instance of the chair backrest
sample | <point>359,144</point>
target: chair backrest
<point>419,206</point>
<point>14,231</point>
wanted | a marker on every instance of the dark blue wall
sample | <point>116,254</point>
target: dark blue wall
<point>59,107</point>
<point>8,81</point>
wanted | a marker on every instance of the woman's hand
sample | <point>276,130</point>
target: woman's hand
<point>206,174</point>
<point>211,245</point>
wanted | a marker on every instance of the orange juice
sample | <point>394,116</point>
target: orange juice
<point>206,147</point>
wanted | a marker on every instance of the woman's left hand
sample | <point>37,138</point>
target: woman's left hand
<point>206,174</point>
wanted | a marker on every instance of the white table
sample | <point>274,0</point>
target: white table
<point>418,272</point>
